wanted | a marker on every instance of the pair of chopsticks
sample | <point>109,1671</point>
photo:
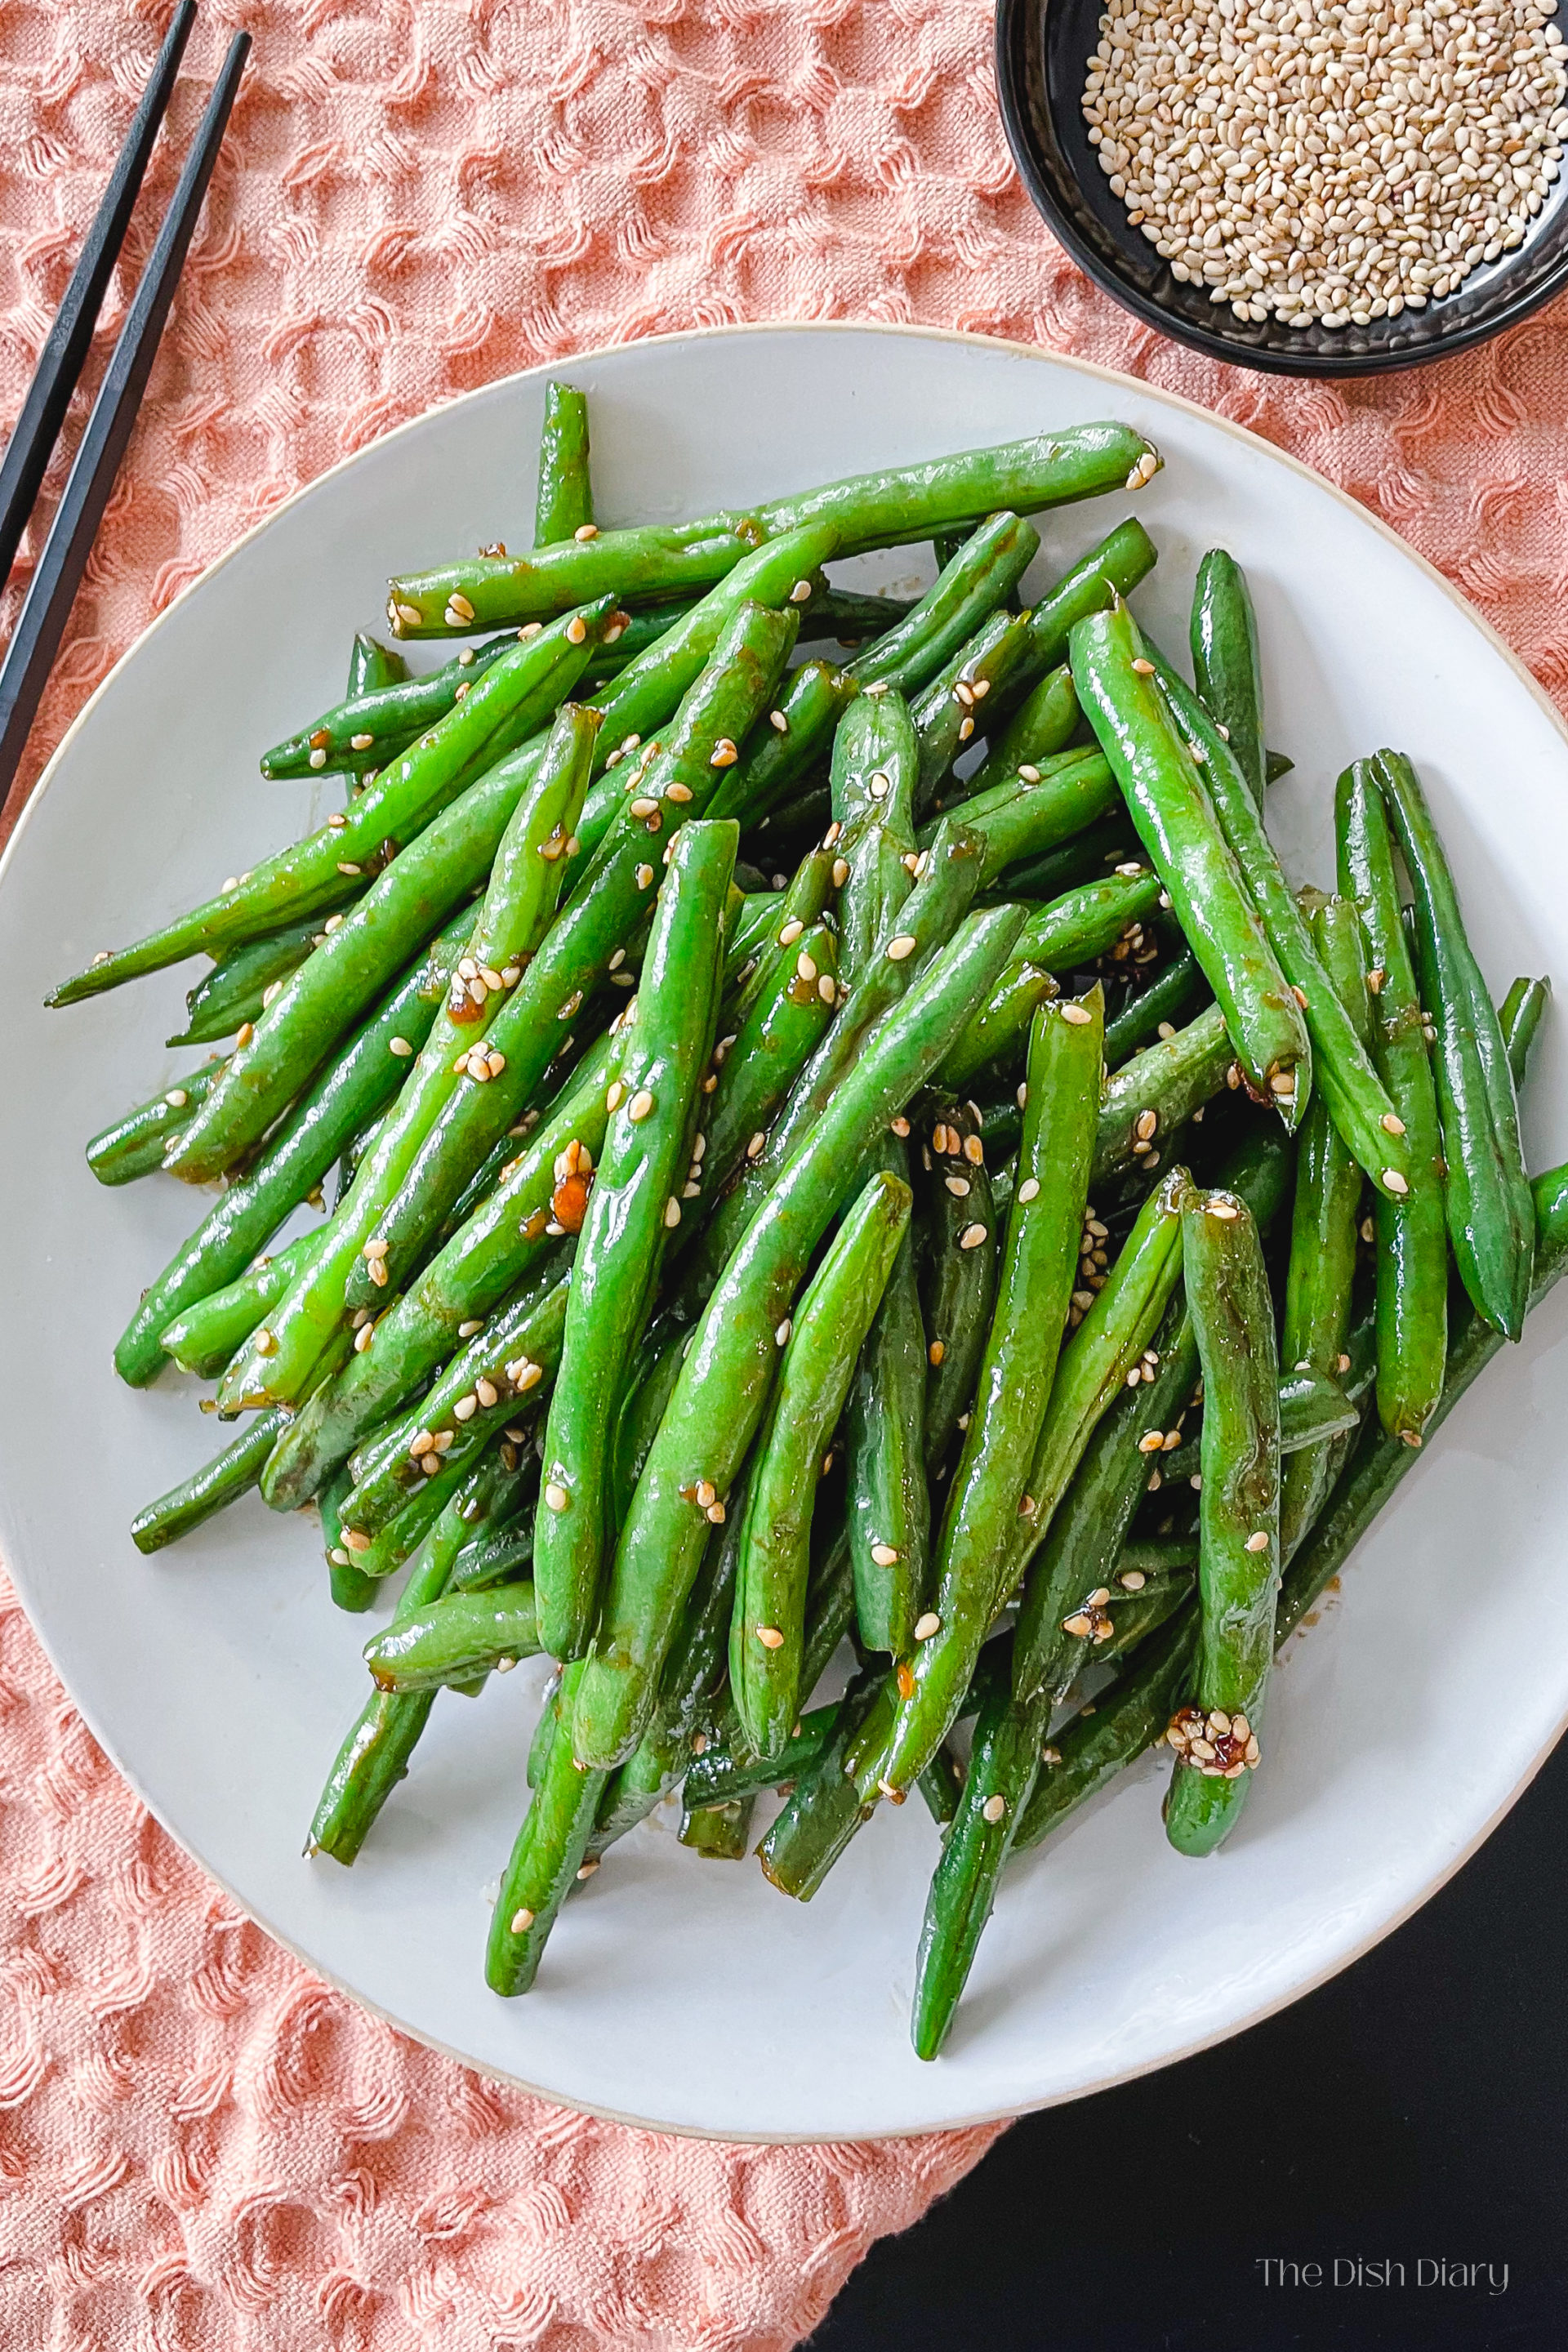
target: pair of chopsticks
<point>31,653</point>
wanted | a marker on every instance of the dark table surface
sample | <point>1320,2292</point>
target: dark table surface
<point>1413,2113</point>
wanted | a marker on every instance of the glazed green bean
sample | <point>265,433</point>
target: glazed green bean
<point>1342,1066</point>
<point>203,1339</point>
<point>134,1146</point>
<point>634,1204</point>
<point>377,723</point>
<point>1412,1232</point>
<point>374,665</point>
<point>889,1499</point>
<point>597,923</point>
<point>453,1638</point>
<point>294,1160</point>
<point>210,1489</point>
<point>721,1391</point>
<point>1225,662</point>
<point>1025,816</point>
<point>564,509</point>
<point>243,981</point>
<point>1040,727</point>
<point>508,703</point>
<point>511,923</point>
<point>551,1848</point>
<point>1014,1392</point>
<point>1088,1753</point>
<point>1075,929</point>
<point>1323,1231</point>
<point>998,654</point>
<point>1170,806</point>
<point>1152,1015</point>
<point>1153,1092</point>
<point>469,1276</point>
<point>1518,1018</point>
<point>1490,1223</point>
<point>815,1367</point>
<point>1238,1560</point>
<point>773,1044</point>
<point>881,509</point>
<point>959,1281</point>
<point>505,1370</point>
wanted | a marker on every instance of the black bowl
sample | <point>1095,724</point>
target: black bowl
<point>1042,52</point>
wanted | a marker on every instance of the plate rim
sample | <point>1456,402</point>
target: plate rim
<point>912,332</point>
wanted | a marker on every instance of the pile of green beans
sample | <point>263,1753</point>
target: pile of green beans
<point>1012,1234</point>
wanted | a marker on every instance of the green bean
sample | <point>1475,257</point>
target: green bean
<point>295,1160</point>
<point>511,923</point>
<point>1040,727</point>
<point>1174,992</point>
<point>718,1832</point>
<point>806,896</point>
<point>237,988</point>
<point>815,1367</point>
<point>632,1207</point>
<point>916,933</point>
<point>1225,661</point>
<point>203,1339</point>
<point>1490,1223</point>
<point>551,1848</point>
<point>811,703</point>
<point>1024,817</point>
<point>503,1557</point>
<point>1157,1088</point>
<point>596,924</point>
<point>1380,1462</point>
<point>565,507</point>
<point>351,1589</point>
<point>1000,651</point>
<point>508,704</point>
<point>975,583</point>
<point>721,1391</point>
<point>719,1777</point>
<point>889,1499</point>
<point>1005,1755</point>
<point>1098,580</point>
<point>210,1489</point>
<point>1238,1560</point>
<point>959,1282</point>
<point>374,665</point>
<point>1088,1753</point>
<point>1314,1409</point>
<point>455,1638</point>
<point>1341,1064</point>
<point>644,1392</point>
<point>469,1277</point>
<point>377,723</point>
<point>1518,1018</point>
<point>887,509</point>
<point>1085,923</point>
<point>1412,1232</point>
<point>134,1146</point>
<point>648,694</point>
<point>1323,1232</point>
<point>872,783</point>
<point>375,1756</point>
<point>825,1807</point>
<point>1111,1339</point>
<point>1014,1392</point>
<point>504,1370</point>
<point>1171,807</point>
<point>774,1041</point>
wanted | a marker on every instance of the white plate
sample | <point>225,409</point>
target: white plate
<point>679,1992</point>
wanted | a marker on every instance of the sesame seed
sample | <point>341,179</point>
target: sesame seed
<point>902,947</point>
<point>556,1496</point>
<point>1391,1125</point>
<point>407,616</point>
<point>678,793</point>
<point>521,1921</point>
<point>1077,1016</point>
<point>577,629</point>
<point>466,1408</point>
<point>827,989</point>
<point>994,1807</point>
<point>1283,1082</point>
<point>778,722</point>
<point>640,1105</point>
<point>1395,1181</point>
<point>884,1555</point>
<point>672,1212</point>
<point>899,1126</point>
<point>806,966</point>
<point>363,1336</point>
<point>1258,1543</point>
<point>1029,1189</point>
<point>724,754</point>
<point>958,1185</point>
<point>840,872</point>
<point>361,742</point>
<point>966,729</point>
<point>970,1237</point>
<point>356,1539</point>
<point>791,932</point>
<point>935,1352</point>
<point>801,593</point>
<point>1030,774</point>
<point>347,865</point>
<point>586,530</point>
<point>754,1147</point>
<point>318,758</point>
<point>1225,1210</point>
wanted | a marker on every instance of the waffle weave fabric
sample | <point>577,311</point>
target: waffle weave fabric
<point>203,2149</point>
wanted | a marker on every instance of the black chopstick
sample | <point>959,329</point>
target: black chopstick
<point>60,362</point>
<point>31,650</point>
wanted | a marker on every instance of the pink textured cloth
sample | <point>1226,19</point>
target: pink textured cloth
<point>201,2146</point>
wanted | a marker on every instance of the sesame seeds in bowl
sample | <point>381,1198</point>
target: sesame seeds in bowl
<point>1316,187</point>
